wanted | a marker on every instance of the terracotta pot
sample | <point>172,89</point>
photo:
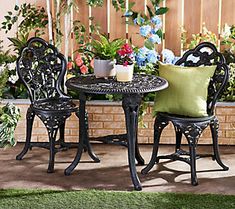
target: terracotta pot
<point>104,68</point>
<point>124,73</point>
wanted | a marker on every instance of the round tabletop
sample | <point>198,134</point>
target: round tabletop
<point>140,84</point>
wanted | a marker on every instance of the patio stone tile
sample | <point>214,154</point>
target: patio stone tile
<point>113,172</point>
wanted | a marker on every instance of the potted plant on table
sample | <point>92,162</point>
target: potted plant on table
<point>124,63</point>
<point>105,51</point>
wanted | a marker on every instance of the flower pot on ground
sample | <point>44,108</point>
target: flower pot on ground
<point>105,52</point>
<point>124,63</point>
<point>124,73</point>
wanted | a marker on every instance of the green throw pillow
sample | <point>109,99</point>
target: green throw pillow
<point>187,91</point>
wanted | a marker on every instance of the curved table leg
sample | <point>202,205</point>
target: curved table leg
<point>138,156</point>
<point>131,105</point>
<point>83,136</point>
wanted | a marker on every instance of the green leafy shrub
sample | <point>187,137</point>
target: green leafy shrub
<point>32,20</point>
<point>9,116</point>
<point>229,92</point>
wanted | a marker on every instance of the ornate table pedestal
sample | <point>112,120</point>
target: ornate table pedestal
<point>132,93</point>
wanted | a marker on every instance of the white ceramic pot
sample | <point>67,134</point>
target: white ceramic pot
<point>104,68</point>
<point>124,73</point>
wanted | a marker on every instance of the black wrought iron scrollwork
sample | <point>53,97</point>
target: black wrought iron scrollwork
<point>206,54</point>
<point>139,84</point>
<point>42,68</point>
<point>192,131</point>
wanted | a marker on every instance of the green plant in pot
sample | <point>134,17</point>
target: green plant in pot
<point>105,52</point>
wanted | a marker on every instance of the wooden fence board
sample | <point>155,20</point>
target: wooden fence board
<point>82,14</point>
<point>133,31</point>
<point>195,12</point>
<point>100,16</point>
<point>173,25</point>
<point>228,14</point>
<point>192,14</point>
<point>210,15</point>
<point>117,24</point>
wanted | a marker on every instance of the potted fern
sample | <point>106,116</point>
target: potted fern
<point>104,51</point>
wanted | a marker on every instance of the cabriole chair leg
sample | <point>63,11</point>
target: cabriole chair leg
<point>30,118</point>
<point>214,126</point>
<point>159,125</point>
<point>52,137</point>
<point>192,153</point>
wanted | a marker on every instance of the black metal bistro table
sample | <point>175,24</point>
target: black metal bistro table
<point>132,93</point>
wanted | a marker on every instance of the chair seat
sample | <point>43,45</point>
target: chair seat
<point>173,117</point>
<point>55,105</point>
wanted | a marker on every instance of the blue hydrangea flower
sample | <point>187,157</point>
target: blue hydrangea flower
<point>128,13</point>
<point>155,29</point>
<point>145,30</point>
<point>168,56</point>
<point>156,20</point>
<point>140,59</point>
<point>152,56</point>
<point>143,51</point>
<point>141,56</point>
<point>155,39</point>
<point>141,20</point>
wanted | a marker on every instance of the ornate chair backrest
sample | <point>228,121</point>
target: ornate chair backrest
<point>206,54</point>
<point>41,68</point>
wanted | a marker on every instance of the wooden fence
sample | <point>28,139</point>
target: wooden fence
<point>191,14</point>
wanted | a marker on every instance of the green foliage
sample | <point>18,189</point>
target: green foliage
<point>5,60</point>
<point>229,92</point>
<point>229,56</point>
<point>104,48</point>
<point>9,116</point>
<point>192,42</point>
<point>3,78</point>
<point>81,33</point>
<point>33,19</point>
<point>228,38</point>
<point>117,4</point>
<point>5,57</point>
<point>95,3</point>
<point>18,42</point>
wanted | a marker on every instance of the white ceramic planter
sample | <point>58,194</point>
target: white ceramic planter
<point>104,68</point>
<point>124,73</point>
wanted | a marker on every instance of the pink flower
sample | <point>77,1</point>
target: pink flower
<point>121,52</point>
<point>78,60</point>
<point>69,65</point>
<point>127,48</point>
<point>92,63</point>
<point>125,63</point>
<point>84,69</point>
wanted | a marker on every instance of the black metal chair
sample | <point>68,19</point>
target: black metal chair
<point>204,54</point>
<point>42,69</point>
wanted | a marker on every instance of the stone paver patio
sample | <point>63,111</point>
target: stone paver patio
<point>113,172</point>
